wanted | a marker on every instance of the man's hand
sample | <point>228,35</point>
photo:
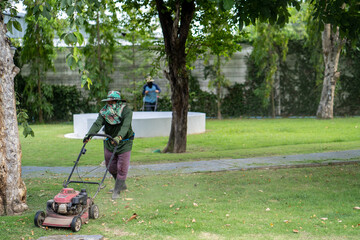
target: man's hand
<point>86,139</point>
<point>157,91</point>
<point>146,92</point>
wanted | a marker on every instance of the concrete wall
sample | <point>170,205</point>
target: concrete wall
<point>235,70</point>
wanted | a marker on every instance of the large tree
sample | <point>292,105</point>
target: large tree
<point>12,187</point>
<point>176,17</point>
<point>340,22</point>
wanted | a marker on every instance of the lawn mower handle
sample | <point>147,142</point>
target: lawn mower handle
<point>83,151</point>
<point>102,135</point>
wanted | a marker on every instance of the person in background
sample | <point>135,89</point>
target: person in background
<point>117,117</point>
<point>150,93</point>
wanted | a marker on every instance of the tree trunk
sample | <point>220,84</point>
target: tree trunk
<point>175,32</point>
<point>218,87</point>
<point>218,91</point>
<point>12,188</point>
<point>41,114</point>
<point>38,73</point>
<point>133,77</point>
<point>331,44</point>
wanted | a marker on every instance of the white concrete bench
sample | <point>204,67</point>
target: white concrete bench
<point>144,124</point>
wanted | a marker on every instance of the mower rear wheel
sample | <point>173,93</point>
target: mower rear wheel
<point>94,211</point>
<point>39,218</point>
<point>76,224</point>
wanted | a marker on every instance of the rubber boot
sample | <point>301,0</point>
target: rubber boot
<point>119,186</point>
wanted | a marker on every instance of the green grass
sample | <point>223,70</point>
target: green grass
<point>224,205</point>
<point>236,138</point>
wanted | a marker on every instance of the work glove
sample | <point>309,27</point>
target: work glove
<point>117,140</point>
<point>86,139</point>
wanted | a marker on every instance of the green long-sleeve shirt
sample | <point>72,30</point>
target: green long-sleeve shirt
<point>122,129</point>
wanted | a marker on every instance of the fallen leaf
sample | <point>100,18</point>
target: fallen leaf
<point>295,231</point>
<point>286,221</point>
<point>132,217</point>
<point>268,209</point>
<point>261,191</point>
<point>324,219</point>
<point>193,220</point>
<point>195,204</point>
<point>128,199</point>
<point>227,215</point>
<point>171,205</point>
<point>357,208</point>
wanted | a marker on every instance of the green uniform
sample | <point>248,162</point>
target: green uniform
<point>122,129</point>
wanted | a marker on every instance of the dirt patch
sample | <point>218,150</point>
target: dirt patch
<point>212,236</point>
<point>117,232</point>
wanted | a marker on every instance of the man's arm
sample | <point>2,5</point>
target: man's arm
<point>157,87</point>
<point>126,122</point>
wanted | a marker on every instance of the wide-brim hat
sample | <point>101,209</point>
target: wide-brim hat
<point>112,96</point>
<point>149,79</point>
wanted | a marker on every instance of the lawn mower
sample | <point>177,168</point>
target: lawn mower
<point>71,208</point>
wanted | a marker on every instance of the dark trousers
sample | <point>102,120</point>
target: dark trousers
<point>150,106</point>
<point>119,165</point>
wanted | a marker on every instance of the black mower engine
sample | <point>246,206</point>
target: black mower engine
<point>68,202</point>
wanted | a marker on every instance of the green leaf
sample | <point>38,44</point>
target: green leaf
<point>89,82</point>
<point>41,7</point>
<point>63,4</point>
<point>46,14</point>
<point>63,35</point>
<point>72,38</point>
<point>36,9</point>
<point>228,4</point>
<point>80,20</point>
<point>70,11</point>
<point>9,26</point>
<point>71,62</point>
<point>13,12</point>
<point>81,65</point>
<point>79,37</point>
<point>17,26</point>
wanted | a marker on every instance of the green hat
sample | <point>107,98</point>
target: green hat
<point>112,96</point>
<point>149,79</point>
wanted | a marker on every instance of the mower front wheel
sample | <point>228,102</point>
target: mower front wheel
<point>39,218</point>
<point>94,211</point>
<point>76,224</point>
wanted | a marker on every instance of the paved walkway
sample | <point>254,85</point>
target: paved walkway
<point>300,160</point>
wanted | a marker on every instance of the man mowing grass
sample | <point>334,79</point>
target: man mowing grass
<point>116,117</point>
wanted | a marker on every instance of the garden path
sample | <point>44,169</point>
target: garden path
<point>299,160</point>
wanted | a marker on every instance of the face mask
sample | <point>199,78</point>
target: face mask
<point>150,84</point>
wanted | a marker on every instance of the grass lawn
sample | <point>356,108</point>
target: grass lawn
<point>235,138</point>
<point>302,203</point>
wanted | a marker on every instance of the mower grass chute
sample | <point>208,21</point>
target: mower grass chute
<point>71,208</point>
